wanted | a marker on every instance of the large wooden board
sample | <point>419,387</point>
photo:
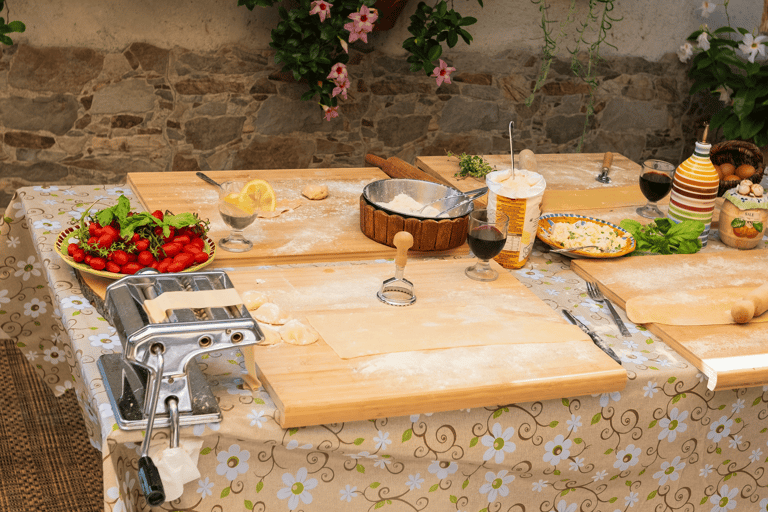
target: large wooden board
<point>731,355</point>
<point>327,230</point>
<point>571,184</point>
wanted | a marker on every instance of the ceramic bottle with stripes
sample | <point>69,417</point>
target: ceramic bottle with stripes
<point>694,190</point>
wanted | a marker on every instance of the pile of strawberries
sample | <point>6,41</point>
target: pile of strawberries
<point>123,242</point>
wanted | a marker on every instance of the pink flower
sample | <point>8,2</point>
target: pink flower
<point>338,71</point>
<point>330,112</point>
<point>442,73</point>
<point>322,9</point>
<point>355,34</point>
<point>364,19</point>
<point>342,85</point>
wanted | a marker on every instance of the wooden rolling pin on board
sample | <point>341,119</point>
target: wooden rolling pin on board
<point>396,168</point>
<point>755,303</point>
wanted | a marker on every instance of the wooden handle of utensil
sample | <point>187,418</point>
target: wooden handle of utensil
<point>403,241</point>
<point>397,168</point>
<point>755,303</point>
<point>607,160</point>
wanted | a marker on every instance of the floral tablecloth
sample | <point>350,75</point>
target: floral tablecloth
<point>663,443</point>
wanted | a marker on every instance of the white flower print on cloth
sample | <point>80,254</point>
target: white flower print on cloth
<point>232,462</point>
<point>720,429</point>
<point>672,425</point>
<point>756,455</point>
<point>530,273</point>
<point>62,388</point>
<point>257,417</point>
<point>199,429</point>
<point>347,493</point>
<point>558,449</point>
<point>46,188</point>
<point>496,484</point>
<point>605,398</point>
<point>47,224</point>
<point>706,470</point>
<point>105,411</point>
<point>442,469</point>
<point>76,213</point>
<point>499,443</point>
<point>293,444</point>
<point>764,504</point>
<point>382,440</point>
<point>738,405</point>
<point>574,423</point>
<point>382,463</point>
<point>414,481</point>
<point>540,485</point>
<point>120,191</point>
<point>627,458</point>
<point>576,464</point>
<point>35,308</point>
<point>106,340</point>
<point>28,268</point>
<point>563,506</point>
<point>725,500</point>
<point>54,356</point>
<point>361,455</point>
<point>21,211</point>
<point>205,487</point>
<point>634,357</point>
<point>669,471</point>
<point>734,442</point>
<point>297,488</point>
<point>75,302</point>
<point>631,499</point>
<point>600,475</point>
<point>650,389</point>
<point>4,297</point>
<point>13,242</point>
<point>415,417</point>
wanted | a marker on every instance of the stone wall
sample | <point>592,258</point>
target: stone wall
<point>81,116</point>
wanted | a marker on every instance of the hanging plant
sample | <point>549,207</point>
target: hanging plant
<point>11,26</point>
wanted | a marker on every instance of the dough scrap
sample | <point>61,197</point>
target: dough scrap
<point>270,313</point>
<point>254,299</point>
<point>315,192</point>
<point>296,333</point>
<point>271,336</point>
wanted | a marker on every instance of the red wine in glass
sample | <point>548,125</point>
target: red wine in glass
<point>655,184</point>
<point>486,236</point>
<point>486,242</point>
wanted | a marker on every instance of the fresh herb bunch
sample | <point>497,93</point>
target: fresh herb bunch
<point>471,165</point>
<point>739,81</point>
<point>662,236</point>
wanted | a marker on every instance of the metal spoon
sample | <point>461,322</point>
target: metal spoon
<point>207,179</point>
<point>466,200</point>
<point>472,194</point>
<point>572,248</point>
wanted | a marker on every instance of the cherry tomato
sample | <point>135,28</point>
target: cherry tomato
<point>71,248</point>
<point>171,249</point>
<point>158,214</point>
<point>145,258</point>
<point>79,255</point>
<point>198,242</point>
<point>181,239</point>
<point>106,240</point>
<point>185,259</point>
<point>131,268</point>
<point>94,229</point>
<point>98,263</point>
<point>113,267</point>
<point>120,257</point>
<point>142,245</point>
<point>175,267</point>
<point>201,257</point>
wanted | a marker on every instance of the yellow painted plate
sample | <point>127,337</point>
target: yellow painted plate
<point>63,241</point>
<point>547,222</point>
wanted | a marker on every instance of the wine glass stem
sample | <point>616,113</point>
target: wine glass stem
<point>483,265</point>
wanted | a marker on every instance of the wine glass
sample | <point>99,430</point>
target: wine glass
<point>486,236</point>
<point>655,184</point>
<point>238,209</point>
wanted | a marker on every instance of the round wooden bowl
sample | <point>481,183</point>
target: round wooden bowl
<point>737,152</point>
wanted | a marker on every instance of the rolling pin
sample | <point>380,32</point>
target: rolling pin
<point>396,168</point>
<point>755,303</point>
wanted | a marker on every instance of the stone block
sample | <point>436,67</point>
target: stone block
<point>481,92</point>
<point>226,61</point>
<point>279,116</point>
<point>621,115</point>
<point>561,129</point>
<point>185,164</point>
<point>133,95</point>
<point>55,114</point>
<point>28,140</point>
<point>56,70</point>
<point>126,121</point>
<point>275,153</point>
<point>208,85</point>
<point>399,85</point>
<point>400,130</point>
<point>263,86</point>
<point>149,57</point>
<point>474,78</point>
<point>564,87</point>
<point>462,115</point>
<point>38,172</point>
<point>208,133</point>
<point>479,144</point>
<point>216,108</point>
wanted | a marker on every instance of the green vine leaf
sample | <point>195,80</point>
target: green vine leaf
<point>473,441</point>
<point>651,496</point>
<point>225,492</point>
<point>596,418</point>
<point>374,485</point>
<point>553,424</point>
<point>434,488</point>
<point>259,486</point>
<point>453,499</point>
<point>465,483</point>
<point>248,504</point>
<point>360,468</point>
<point>358,441</point>
<point>407,435</point>
<point>205,451</point>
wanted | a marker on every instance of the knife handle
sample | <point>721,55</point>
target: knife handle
<point>617,319</point>
<point>604,346</point>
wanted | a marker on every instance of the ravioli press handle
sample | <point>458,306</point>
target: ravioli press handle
<point>149,477</point>
<point>607,162</point>
<point>403,241</point>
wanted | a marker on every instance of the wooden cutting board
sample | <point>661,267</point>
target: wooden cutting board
<point>571,184</point>
<point>313,385</point>
<point>732,356</point>
<point>326,230</point>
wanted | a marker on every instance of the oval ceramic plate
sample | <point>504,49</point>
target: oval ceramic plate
<point>547,221</point>
<point>62,241</point>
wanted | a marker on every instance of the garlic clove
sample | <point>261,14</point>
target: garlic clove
<point>757,190</point>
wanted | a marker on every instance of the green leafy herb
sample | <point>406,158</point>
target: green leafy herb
<point>662,236</point>
<point>470,165</point>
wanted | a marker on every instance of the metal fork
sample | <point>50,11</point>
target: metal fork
<point>595,294</point>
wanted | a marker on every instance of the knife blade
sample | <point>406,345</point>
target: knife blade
<point>592,334</point>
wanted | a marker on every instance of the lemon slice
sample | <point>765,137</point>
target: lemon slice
<point>243,202</point>
<point>262,190</point>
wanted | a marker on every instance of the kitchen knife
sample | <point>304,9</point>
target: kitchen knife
<point>597,339</point>
<point>607,161</point>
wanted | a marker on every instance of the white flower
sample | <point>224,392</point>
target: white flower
<point>69,192</point>
<point>631,499</point>
<point>764,504</point>
<point>751,46</point>
<point>703,41</point>
<point>204,487</point>
<point>600,475</point>
<point>734,442</point>
<point>105,340</point>
<point>496,484</point>
<point>669,470</point>
<point>257,417</point>
<point>382,463</point>
<point>706,470</point>
<point>605,398</point>
<point>720,429</point>
<point>530,274</point>
<point>361,455</point>
<point>120,191</point>
<point>563,506</point>
<point>577,463</point>
<point>20,207</point>
<point>13,241</point>
<point>128,483</point>
<point>43,188</point>
<point>627,458</point>
<point>382,440</point>
<point>53,355</point>
<point>348,493</point>
<point>49,202</point>
<point>76,213</point>
<point>574,423</point>
<point>707,8</point>
<point>724,501</point>
<point>47,224</point>
<point>296,488</point>
<point>725,93</point>
<point>442,469</point>
<point>634,357</point>
<point>232,462</point>
<point>498,443</point>
<point>3,297</point>
<point>650,389</point>
<point>31,356</point>
<point>672,425</point>
<point>414,481</point>
<point>62,388</point>
<point>199,429</point>
<point>738,405</point>
<point>75,302</point>
<point>540,485</point>
<point>415,417</point>
<point>31,267</point>
<point>685,52</point>
<point>35,308</point>
<point>558,449</point>
<point>293,444</point>
<point>756,455</point>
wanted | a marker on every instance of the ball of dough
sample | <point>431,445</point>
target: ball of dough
<point>528,161</point>
<point>270,313</point>
<point>315,192</point>
<point>727,169</point>
<point>271,336</point>
<point>732,177</point>
<point>254,299</point>
<point>296,333</point>
<point>744,171</point>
